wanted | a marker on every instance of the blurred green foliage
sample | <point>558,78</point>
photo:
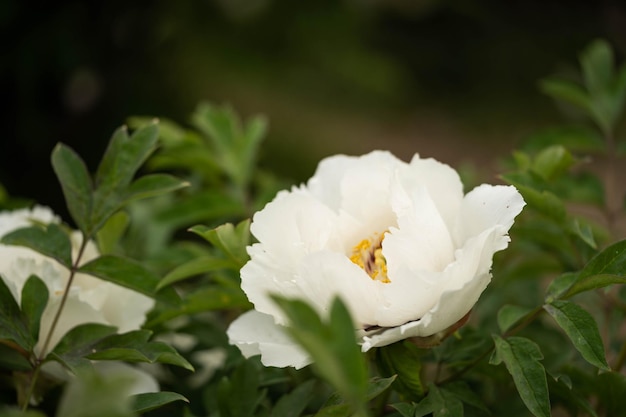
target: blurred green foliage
<point>327,73</point>
<point>546,334</point>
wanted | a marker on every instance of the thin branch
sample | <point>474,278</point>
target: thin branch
<point>42,354</point>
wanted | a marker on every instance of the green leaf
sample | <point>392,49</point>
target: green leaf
<point>378,385</point>
<point>240,395</point>
<point>71,350</point>
<point>231,240</point>
<point>582,330</point>
<point>220,125</point>
<point>98,342</point>
<point>561,390</point>
<point>375,387</point>
<point>76,184</point>
<point>464,393</point>
<point>82,337</point>
<point>111,232</point>
<point>583,231</point>
<point>521,357</point>
<point>424,407</point>
<point>253,135</point>
<point>215,298</point>
<point>134,346</point>
<point>597,65</point>
<point>124,156</point>
<point>94,395</point>
<point>510,315</point>
<point>405,409</point>
<point>404,360</point>
<point>444,403</point>
<point>552,162</point>
<point>170,132</point>
<point>605,268</point>
<point>611,391</point>
<point>332,346</point>
<point>13,323</point>
<point>294,403</point>
<point>190,156</point>
<point>153,185</point>
<point>598,72</point>
<point>337,410</point>
<point>611,260</point>
<point>560,285</point>
<point>566,91</point>
<point>205,299</point>
<point>150,352</point>
<point>195,267</point>
<point>34,300</point>
<point>142,403</point>
<point>129,274</point>
<point>593,282</point>
<point>13,360</point>
<point>235,146</point>
<point>543,201</point>
<point>579,139</point>
<point>202,206</point>
<point>50,241</point>
<point>117,168</point>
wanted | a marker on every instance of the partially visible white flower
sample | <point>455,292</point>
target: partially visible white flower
<point>207,362</point>
<point>142,381</point>
<point>90,299</point>
<point>399,242</point>
<point>105,391</point>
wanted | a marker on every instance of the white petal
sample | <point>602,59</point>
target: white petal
<point>206,363</point>
<point>464,281</point>
<point>142,383</point>
<point>293,225</point>
<point>16,219</point>
<point>440,180</point>
<point>21,263</point>
<point>412,296</point>
<point>288,229</point>
<point>417,252</point>
<point>124,308</point>
<point>358,187</point>
<point>326,184</point>
<point>422,240</point>
<point>487,206</point>
<point>74,313</point>
<point>255,333</point>
<point>326,275</point>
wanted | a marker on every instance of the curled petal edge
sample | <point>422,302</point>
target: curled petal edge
<point>256,333</point>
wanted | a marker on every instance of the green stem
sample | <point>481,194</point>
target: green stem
<point>381,403</point>
<point>462,371</point>
<point>39,360</point>
<point>529,318</point>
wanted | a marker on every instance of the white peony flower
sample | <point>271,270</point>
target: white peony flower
<point>399,242</point>
<point>90,299</point>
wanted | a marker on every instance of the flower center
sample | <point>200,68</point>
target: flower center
<point>368,254</point>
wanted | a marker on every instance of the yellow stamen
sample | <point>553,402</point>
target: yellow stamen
<point>368,254</point>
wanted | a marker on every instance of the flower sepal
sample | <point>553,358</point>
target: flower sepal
<point>436,339</point>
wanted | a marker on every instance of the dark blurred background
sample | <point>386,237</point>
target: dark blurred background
<point>453,79</point>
